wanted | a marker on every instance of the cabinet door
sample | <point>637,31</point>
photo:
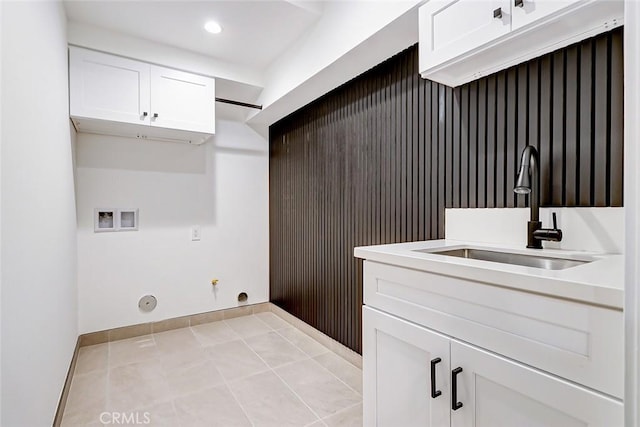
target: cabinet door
<point>108,87</point>
<point>182,100</point>
<point>527,11</point>
<point>497,392</point>
<point>449,28</point>
<point>397,358</point>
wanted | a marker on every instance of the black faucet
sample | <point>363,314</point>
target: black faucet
<point>528,182</point>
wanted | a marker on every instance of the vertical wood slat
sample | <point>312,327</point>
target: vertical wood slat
<point>464,144</point>
<point>599,150</point>
<point>522,112</point>
<point>491,192</point>
<point>511,135</point>
<point>501,138</point>
<point>481,182</point>
<point>571,153</point>
<point>585,129</point>
<point>473,145</point>
<point>457,154</point>
<point>433,160</point>
<point>380,158</point>
<point>616,116</point>
<point>555,180</point>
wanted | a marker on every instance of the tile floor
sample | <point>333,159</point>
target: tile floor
<point>255,370</point>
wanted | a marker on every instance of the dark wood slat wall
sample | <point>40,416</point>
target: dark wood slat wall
<point>378,159</point>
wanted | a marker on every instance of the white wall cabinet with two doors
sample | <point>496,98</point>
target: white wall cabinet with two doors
<point>120,96</point>
<point>442,351</point>
<point>463,40</point>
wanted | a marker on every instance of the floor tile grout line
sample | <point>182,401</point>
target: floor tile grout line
<point>244,377</point>
<point>339,379</point>
<point>157,358</point>
<point>271,327</point>
<point>315,422</point>
<point>333,342</point>
<point>285,383</point>
<point>235,338</point>
<point>300,348</point>
<point>242,408</point>
<point>248,315</point>
<point>341,411</point>
<point>225,380</point>
<point>107,398</point>
<point>296,361</point>
<point>175,411</point>
<point>175,396</point>
<point>320,364</point>
<point>226,384</point>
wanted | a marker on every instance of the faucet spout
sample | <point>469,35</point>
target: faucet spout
<point>528,181</point>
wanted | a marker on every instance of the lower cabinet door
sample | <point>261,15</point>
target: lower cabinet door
<point>497,392</point>
<point>399,389</point>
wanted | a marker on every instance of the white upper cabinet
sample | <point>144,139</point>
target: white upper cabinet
<point>463,40</point>
<point>182,100</point>
<point>118,96</point>
<point>524,12</point>
<point>455,26</point>
<point>108,87</point>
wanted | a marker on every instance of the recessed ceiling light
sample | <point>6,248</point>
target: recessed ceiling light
<point>213,27</point>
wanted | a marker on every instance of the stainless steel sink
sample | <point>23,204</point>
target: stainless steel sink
<point>537,261</point>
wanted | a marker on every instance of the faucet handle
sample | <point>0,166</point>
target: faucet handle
<point>553,234</point>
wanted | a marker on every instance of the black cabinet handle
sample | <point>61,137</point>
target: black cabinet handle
<point>455,405</point>
<point>497,13</point>
<point>518,3</point>
<point>434,393</point>
<point>145,114</point>
<point>155,115</point>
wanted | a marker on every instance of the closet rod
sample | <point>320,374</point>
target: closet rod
<point>241,104</point>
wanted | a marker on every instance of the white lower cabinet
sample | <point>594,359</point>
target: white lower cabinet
<point>498,392</point>
<point>477,387</point>
<point>397,382</point>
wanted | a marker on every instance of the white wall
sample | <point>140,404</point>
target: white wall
<point>221,186</point>
<point>598,230</point>
<point>38,224</point>
<point>0,213</point>
<point>632,207</point>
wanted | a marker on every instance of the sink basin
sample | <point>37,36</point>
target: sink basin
<point>536,261</point>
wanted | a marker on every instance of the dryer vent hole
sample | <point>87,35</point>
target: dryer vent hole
<point>147,303</point>
<point>242,297</point>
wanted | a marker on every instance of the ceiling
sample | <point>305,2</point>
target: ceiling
<point>254,32</point>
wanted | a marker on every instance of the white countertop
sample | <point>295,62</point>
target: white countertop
<point>598,282</point>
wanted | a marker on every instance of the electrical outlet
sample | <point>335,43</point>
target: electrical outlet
<point>195,233</point>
